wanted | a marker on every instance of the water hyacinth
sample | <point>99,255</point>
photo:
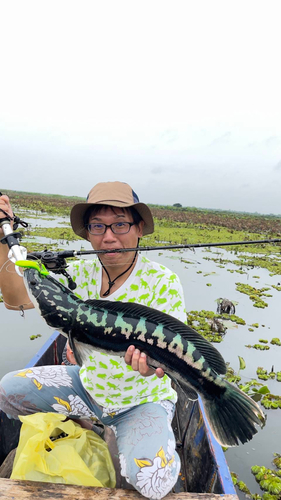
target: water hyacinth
<point>268,479</point>
<point>275,341</point>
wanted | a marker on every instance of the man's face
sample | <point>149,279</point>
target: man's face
<point>109,240</point>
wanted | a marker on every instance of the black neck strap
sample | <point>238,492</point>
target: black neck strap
<point>111,283</point>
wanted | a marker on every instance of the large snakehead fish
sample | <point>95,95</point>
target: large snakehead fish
<point>111,327</point>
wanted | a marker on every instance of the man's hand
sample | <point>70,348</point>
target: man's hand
<point>138,361</point>
<point>5,205</point>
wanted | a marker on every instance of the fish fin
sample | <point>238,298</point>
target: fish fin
<point>232,416</point>
<point>137,311</point>
<point>189,392</point>
<point>100,303</point>
<point>81,351</point>
<point>186,389</point>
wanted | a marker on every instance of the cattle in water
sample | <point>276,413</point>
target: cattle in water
<point>225,306</point>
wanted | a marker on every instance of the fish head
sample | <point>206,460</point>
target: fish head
<point>50,297</point>
<point>34,283</point>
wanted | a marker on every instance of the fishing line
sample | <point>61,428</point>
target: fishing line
<point>7,264</point>
<point>19,307</point>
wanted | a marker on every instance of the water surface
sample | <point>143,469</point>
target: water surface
<point>17,348</point>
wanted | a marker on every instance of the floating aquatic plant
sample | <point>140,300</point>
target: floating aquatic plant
<point>277,460</point>
<point>275,341</point>
<point>255,294</point>
<point>259,347</point>
<point>230,373</point>
<point>263,375</point>
<point>271,401</point>
<point>231,376</point>
<point>256,390</point>
<point>240,484</point>
<point>269,480</point>
<point>203,322</point>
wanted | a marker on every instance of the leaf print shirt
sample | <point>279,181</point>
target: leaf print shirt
<point>110,381</point>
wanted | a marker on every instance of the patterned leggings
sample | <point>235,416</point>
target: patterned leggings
<point>145,440</point>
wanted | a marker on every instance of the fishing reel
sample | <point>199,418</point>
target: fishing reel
<point>55,262</point>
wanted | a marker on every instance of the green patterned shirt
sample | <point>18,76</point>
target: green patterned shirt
<point>110,381</point>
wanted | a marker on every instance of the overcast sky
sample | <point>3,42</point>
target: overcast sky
<point>181,99</point>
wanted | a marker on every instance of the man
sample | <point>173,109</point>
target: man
<point>136,401</point>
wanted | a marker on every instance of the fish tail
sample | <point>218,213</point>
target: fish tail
<point>232,416</point>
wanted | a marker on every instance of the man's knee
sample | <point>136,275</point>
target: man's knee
<point>153,478</point>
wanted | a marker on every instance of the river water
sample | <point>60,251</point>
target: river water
<point>17,348</point>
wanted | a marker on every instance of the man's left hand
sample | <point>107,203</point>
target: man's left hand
<point>138,361</point>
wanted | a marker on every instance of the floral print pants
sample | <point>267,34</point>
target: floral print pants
<point>145,440</point>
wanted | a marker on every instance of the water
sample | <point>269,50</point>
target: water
<point>17,348</point>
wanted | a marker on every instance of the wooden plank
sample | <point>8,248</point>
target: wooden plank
<point>27,490</point>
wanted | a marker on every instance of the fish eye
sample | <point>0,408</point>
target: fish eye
<point>33,282</point>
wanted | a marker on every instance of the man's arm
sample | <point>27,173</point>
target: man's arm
<point>14,293</point>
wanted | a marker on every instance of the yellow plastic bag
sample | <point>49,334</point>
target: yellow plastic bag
<point>78,456</point>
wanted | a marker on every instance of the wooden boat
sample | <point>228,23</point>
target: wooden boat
<point>204,468</point>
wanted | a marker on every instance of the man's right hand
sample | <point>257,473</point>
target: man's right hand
<point>14,293</point>
<point>6,206</point>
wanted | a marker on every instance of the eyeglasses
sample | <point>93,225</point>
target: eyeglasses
<point>117,228</point>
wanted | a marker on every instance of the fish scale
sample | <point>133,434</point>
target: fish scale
<point>111,327</point>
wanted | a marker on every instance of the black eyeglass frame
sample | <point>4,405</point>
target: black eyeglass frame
<point>130,224</point>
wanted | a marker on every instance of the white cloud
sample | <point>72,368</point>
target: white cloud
<point>185,92</point>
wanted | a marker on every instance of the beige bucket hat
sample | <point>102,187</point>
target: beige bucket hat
<point>115,194</point>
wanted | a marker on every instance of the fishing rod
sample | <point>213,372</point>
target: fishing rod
<point>56,261</point>
<point>47,255</point>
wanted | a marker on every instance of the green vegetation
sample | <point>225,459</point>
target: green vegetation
<point>269,480</point>
<point>275,341</point>
<point>33,337</point>
<point>271,401</point>
<point>180,225</point>
<point>211,325</point>
<point>54,233</point>
<point>260,347</point>
<point>51,204</point>
<point>263,375</point>
<point>255,294</point>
